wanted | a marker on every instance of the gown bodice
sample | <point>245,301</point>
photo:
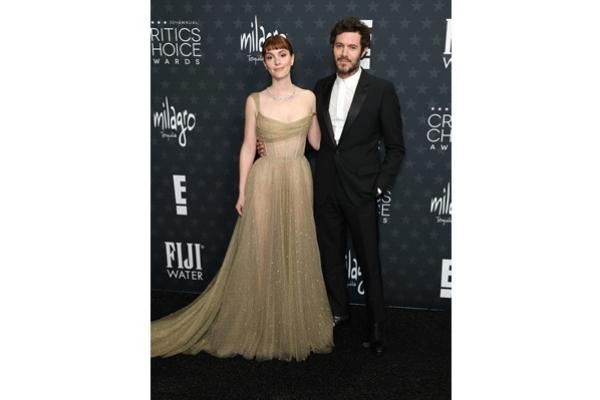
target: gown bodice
<point>282,140</point>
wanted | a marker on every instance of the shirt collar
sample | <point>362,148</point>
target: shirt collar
<point>352,81</point>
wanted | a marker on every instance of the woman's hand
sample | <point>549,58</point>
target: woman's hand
<point>239,206</point>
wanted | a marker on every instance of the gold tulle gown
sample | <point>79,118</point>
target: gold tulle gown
<point>268,301</point>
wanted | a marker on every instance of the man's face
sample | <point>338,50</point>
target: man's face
<point>347,53</point>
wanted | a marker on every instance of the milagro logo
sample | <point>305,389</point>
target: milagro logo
<point>173,123</point>
<point>252,41</point>
<point>354,273</point>
<point>175,42</point>
<point>440,128</point>
<point>447,56</point>
<point>446,281</point>
<point>384,203</point>
<point>365,63</point>
<point>184,260</point>
<point>441,206</point>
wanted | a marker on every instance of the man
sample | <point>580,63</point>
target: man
<point>355,110</point>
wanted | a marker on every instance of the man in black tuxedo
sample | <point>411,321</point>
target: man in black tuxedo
<point>355,110</point>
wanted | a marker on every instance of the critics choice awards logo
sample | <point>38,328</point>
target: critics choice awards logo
<point>173,124</point>
<point>439,131</point>
<point>251,42</point>
<point>441,206</point>
<point>175,42</point>
<point>184,260</point>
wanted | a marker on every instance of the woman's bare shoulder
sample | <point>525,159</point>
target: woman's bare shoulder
<point>307,95</point>
<point>306,92</point>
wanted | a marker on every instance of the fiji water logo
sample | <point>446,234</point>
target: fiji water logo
<point>441,206</point>
<point>184,260</point>
<point>447,56</point>
<point>252,41</point>
<point>174,124</point>
<point>440,128</point>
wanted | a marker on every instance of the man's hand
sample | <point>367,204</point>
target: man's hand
<point>260,148</point>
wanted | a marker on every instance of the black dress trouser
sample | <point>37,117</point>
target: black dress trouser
<point>333,218</point>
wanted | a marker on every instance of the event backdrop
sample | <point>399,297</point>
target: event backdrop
<point>206,59</point>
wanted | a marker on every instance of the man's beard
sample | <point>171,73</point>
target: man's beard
<point>349,69</point>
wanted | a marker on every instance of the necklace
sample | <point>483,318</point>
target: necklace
<point>280,98</point>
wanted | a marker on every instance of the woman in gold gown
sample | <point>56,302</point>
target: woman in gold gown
<point>268,300</point>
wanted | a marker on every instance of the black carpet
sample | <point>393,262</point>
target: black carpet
<point>416,364</point>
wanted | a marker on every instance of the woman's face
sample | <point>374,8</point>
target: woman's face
<point>278,62</point>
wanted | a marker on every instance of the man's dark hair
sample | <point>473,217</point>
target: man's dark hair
<point>352,24</point>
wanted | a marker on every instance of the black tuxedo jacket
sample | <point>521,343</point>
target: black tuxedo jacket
<point>354,164</point>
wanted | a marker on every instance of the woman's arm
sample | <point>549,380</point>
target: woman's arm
<point>248,150</point>
<point>314,132</point>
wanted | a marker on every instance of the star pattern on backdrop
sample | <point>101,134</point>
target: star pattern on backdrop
<point>407,49</point>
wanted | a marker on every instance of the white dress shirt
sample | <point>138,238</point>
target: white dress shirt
<point>340,101</point>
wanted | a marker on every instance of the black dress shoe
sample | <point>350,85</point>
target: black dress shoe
<point>375,340</point>
<point>377,348</point>
<point>338,319</point>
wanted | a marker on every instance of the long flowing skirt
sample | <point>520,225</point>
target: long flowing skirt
<point>268,300</point>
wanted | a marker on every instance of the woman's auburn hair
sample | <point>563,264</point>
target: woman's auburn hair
<point>275,42</point>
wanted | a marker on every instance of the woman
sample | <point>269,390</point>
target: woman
<point>268,300</point>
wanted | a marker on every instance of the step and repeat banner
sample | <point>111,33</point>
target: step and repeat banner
<point>206,59</point>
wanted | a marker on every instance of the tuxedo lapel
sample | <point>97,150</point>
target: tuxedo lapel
<point>358,100</point>
<point>325,110</point>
